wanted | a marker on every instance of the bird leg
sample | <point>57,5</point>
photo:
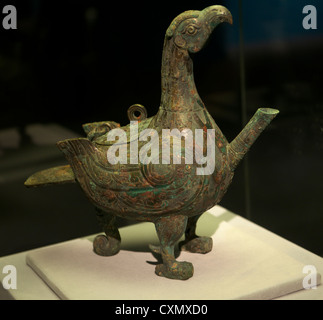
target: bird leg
<point>169,231</point>
<point>108,245</point>
<point>192,242</point>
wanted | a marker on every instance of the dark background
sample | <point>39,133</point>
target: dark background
<point>73,62</point>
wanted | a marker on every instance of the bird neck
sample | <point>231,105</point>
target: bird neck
<point>179,92</point>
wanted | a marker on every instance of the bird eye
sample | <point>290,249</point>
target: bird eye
<point>191,30</point>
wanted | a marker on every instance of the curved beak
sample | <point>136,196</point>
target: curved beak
<point>217,14</point>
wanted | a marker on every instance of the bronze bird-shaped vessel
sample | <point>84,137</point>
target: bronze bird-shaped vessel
<point>155,169</point>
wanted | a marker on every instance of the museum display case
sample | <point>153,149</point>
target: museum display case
<point>89,63</point>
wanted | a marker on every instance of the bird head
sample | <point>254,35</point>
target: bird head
<point>191,29</point>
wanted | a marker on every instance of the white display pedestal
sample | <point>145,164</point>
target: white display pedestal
<point>247,262</point>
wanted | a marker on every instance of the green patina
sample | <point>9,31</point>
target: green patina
<point>172,196</point>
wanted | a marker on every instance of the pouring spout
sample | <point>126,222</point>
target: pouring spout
<point>242,143</point>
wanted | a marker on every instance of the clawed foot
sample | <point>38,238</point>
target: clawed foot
<point>177,270</point>
<point>106,247</point>
<point>197,245</point>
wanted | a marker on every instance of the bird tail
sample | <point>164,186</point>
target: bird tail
<point>56,175</point>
